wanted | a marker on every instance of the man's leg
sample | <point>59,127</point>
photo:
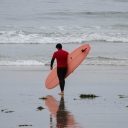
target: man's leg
<point>61,72</point>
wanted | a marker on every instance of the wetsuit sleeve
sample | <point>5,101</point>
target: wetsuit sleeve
<point>52,61</point>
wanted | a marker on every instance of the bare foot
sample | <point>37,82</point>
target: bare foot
<point>62,93</point>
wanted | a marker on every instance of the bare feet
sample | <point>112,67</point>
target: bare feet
<point>62,93</point>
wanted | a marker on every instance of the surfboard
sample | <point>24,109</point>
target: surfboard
<point>73,61</point>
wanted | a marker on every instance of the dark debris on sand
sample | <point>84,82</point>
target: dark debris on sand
<point>91,96</point>
<point>122,96</point>
<point>4,110</point>
<point>24,125</point>
<point>43,98</point>
<point>40,108</point>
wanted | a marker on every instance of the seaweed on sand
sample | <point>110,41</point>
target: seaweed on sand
<point>24,125</point>
<point>40,108</point>
<point>122,96</point>
<point>5,111</point>
<point>43,98</point>
<point>88,96</point>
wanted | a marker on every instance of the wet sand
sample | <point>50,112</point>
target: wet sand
<point>22,86</point>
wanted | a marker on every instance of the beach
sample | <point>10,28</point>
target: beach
<point>22,86</point>
<point>29,32</point>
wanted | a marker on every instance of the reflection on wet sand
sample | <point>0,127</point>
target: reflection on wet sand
<point>58,110</point>
<point>62,115</point>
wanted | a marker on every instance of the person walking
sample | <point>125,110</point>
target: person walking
<point>61,58</point>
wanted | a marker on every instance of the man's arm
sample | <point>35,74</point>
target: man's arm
<point>51,65</point>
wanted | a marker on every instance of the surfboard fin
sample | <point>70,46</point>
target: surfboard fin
<point>83,49</point>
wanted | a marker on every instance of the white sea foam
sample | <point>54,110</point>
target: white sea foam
<point>88,61</point>
<point>103,62</point>
<point>21,63</point>
<point>65,35</point>
<point>106,61</point>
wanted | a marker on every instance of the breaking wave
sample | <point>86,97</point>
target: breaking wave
<point>66,35</point>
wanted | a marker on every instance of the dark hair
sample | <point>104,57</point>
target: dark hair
<point>59,46</point>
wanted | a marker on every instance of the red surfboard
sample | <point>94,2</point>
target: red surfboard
<point>74,60</point>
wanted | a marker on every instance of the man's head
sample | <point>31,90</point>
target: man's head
<point>59,46</point>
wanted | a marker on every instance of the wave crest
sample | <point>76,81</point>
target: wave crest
<point>66,35</point>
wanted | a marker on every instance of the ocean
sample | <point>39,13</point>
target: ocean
<point>30,29</point>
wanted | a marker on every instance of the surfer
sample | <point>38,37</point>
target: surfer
<point>61,58</point>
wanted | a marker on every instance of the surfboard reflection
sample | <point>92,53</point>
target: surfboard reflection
<point>59,111</point>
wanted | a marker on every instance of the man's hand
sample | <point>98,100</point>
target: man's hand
<point>51,68</point>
